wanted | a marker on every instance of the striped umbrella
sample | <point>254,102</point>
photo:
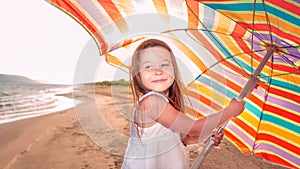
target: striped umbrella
<point>270,127</point>
<point>218,45</point>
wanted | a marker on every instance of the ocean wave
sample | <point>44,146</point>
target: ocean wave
<point>26,101</point>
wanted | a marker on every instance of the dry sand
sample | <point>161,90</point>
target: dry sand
<point>83,138</point>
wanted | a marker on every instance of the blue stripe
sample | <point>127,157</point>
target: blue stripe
<point>223,90</point>
<point>248,7</point>
<point>216,86</point>
<point>209,17</point>
<point>286,85</point>
<point>281,122</point>
<point>234,7</point>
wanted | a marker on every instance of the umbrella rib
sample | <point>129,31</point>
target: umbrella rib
<point>213,65</point>
<point>288,61</point>
<point>252,34</point>
<point>268,21</point>
<point>290,54</point>
<point>219,61</point>
<point>204,30</point>
<point>204,25</point>
<point>283,86</point>
<point>281,74</point>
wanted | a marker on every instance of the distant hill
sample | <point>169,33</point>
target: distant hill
<point>16,79</point>
<point>120,82</point>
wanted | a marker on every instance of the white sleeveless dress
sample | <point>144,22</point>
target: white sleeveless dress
<point>158,147</point>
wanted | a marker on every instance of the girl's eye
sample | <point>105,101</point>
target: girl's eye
<point>148,67</point>
<point>165,65</point>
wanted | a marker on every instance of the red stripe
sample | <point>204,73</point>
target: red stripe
<point>216,54</point>
<point>289,69</point>
<point>256,100</point>
<point>245,126</point>
<point>282,113</point>
<point>275,159</point>
<point>275,30</point>
<point>238,31</point>
<point>233,85</point>
<point>279,142</point>
<point>242,44</point>
<point>282,93</point>
<point>236,141</point>
<point>285,5</point>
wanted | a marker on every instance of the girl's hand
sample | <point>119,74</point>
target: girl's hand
<point>235,107</point>
<point>218,137</point>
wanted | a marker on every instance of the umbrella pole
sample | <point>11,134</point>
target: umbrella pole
<point>248,88</point>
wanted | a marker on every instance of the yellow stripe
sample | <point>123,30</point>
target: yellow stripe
<point>208,92</point>
<point>190,54</point>
<point>251,119</point>
<point>224,24</point>
<point>279,132</point>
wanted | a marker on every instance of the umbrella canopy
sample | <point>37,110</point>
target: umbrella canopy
<point>218,46</point>
<point>271,128</point>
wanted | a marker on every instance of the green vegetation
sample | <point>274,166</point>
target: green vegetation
<point>120,82</point>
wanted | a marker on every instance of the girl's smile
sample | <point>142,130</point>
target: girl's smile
<point>156,69</point>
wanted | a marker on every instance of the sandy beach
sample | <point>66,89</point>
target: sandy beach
<point>94,135</point>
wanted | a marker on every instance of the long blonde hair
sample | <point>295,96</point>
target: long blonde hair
<point>138,89</point>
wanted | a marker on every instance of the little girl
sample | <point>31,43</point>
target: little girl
<point>158,119</point>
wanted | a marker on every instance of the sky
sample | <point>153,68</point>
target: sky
<point>43,43</point>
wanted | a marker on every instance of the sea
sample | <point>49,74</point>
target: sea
<point>22,101</point>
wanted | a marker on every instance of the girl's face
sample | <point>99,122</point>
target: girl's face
<point>156,69</point>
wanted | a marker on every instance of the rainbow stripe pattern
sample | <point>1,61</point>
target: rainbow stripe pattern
<point>218,45</point>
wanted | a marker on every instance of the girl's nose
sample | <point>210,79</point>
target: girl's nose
<point>158,71</point>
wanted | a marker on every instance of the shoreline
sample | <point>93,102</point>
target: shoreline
<point>65,102</point>
<point>59,140</point>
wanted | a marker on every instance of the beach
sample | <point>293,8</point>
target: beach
<point>94,135</point>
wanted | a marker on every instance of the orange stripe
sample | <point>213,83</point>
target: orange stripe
<point>193,9</point>
<point>237,142</point>
<point>114,60</point>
